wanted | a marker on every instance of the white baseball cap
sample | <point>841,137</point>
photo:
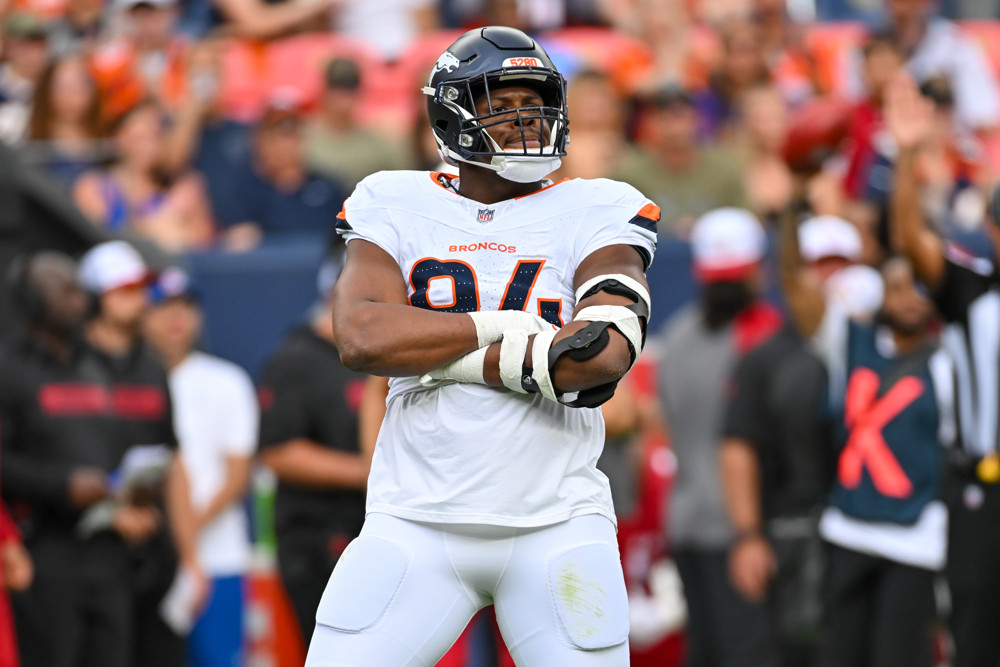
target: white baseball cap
<point>727,244</point>
<point>829,236</point>
<point>112,265</point>
<point>858,289</point>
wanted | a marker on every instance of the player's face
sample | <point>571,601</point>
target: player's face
<point>514,132</point>
<point>904,308</point>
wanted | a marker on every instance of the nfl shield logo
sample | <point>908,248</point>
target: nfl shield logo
<point>485,215</point>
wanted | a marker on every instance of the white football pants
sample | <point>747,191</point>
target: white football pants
<point>403,592</point>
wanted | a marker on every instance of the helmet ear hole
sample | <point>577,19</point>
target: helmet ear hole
<point>441,124</point>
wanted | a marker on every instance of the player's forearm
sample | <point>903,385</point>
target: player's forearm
<point>305,463</point>
<point>396,340</point>
<point>569,375</point>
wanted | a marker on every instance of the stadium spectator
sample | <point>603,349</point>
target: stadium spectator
<point>967,292</point>
<point>891,396</point>
<point>742,65</point>
<point>599,141</point>
<point>255,19</point>
<point>201,136</point>
<point>215,413</point>
<point>117,278</point>
<point>77,31</point>
<point>883,59</point>
<point>279,196</point>
<point>387,26</point>
<point>25,40</point>
<point>134,195</point>
<point>776,460</point>
<point>676,51</point>
<point>336,146</point>
<point>59,446</point>
<point>686,179</point>
<point>309,437</point>
<point>66,124</point>
<point>760,136</point>
<point>16,573</point>
<point>698,351</point>
<point>782,43</point>
<point>934,46</point>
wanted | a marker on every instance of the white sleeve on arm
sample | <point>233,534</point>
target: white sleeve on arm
<point>242,415</point>
<point>365,216</point>
<point>619,215</point>
<point>830,343</point>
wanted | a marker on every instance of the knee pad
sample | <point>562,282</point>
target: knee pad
<point>363,584</point>
<point>588,591</point>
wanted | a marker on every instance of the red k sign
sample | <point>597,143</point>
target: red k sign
<point>865,416</point>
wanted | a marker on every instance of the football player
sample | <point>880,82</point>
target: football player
<point>504,308</point>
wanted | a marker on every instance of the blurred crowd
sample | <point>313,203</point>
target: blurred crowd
<point>843,170</point>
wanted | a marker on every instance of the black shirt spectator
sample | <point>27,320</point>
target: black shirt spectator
<point>56,416</point>
<point>307,393</point>
<point>776,407</point>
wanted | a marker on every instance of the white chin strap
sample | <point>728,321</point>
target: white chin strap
<point>525,168</point>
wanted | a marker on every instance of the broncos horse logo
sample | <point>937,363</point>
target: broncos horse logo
<point>447,62</point>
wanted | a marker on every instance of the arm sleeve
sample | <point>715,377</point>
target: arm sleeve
<point>242,415</point>
<point>620,215</point>
<point>830,344</point>
<point>966,278</point>
<point>366,216</point>
<point>283,414</point>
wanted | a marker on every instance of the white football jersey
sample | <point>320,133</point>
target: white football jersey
<point>467,453</point>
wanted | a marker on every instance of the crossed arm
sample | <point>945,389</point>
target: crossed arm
<point>378,332</point>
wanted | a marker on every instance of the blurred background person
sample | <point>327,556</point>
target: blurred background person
<point>698,350</point>
<point>934,46</point>
<point>77,30</point>
<point>117,278</point>
<point>760,137</point>
<point>684,178</point>
<point>741,66</point>
<point>16,573</point>
<point>202,137</point>
<point>966,290</point>
<point>25,52</point>
<point>279,196</point>
<point>309,437</point>
<point>135,195</point>
<point>336,145</point>
<point>599,116</point>
<point>66,126</point>
<point>891,394</point>
<point>216,416</point>
<point>60,443</point>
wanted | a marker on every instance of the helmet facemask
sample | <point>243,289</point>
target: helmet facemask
<point>468,140</point>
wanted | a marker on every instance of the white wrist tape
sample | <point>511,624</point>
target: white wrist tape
<point>513,347</point>
<point>540,364</point>
<point>492,324</point>
<point>467,369</point>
